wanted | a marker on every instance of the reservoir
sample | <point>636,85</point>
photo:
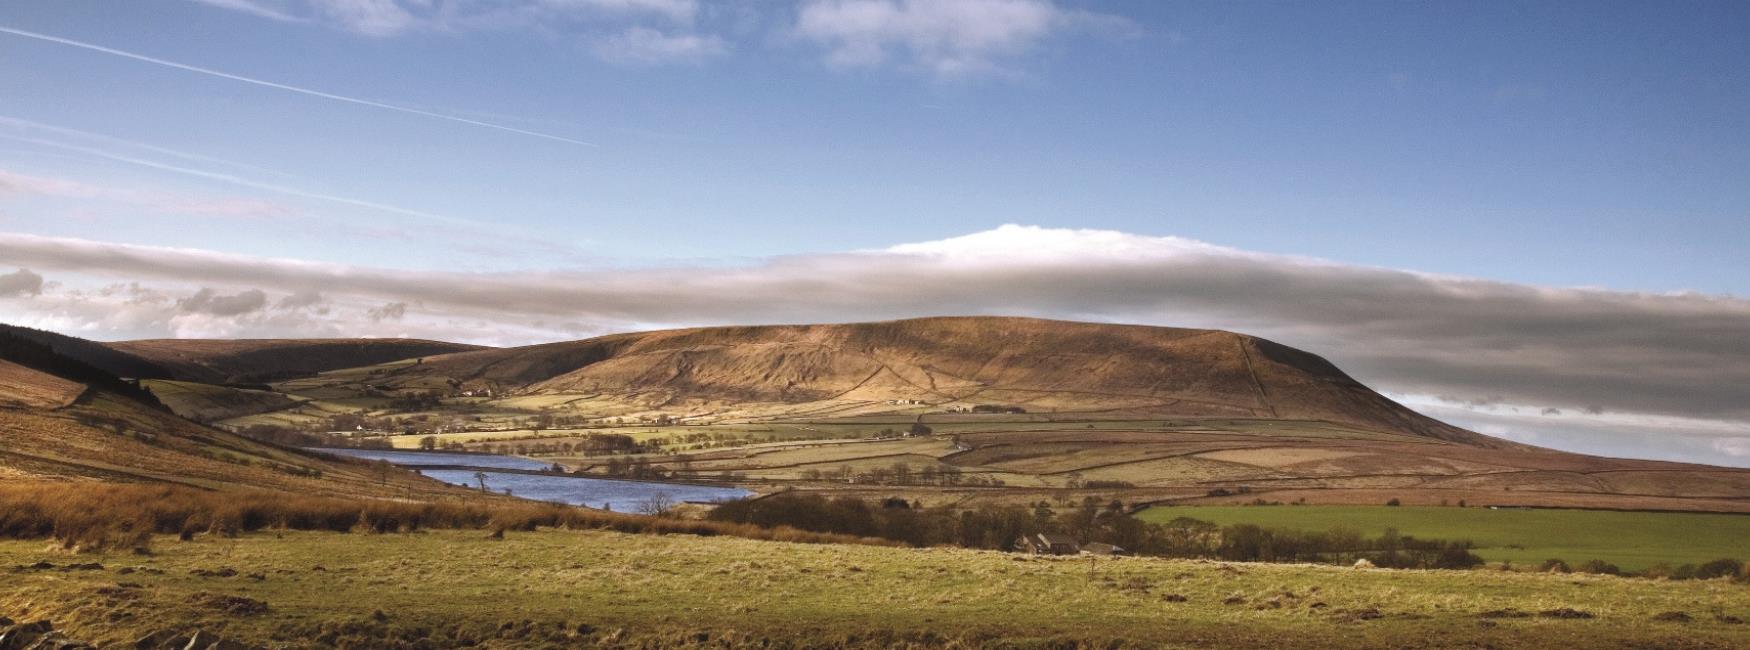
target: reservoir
<point>612,494</point>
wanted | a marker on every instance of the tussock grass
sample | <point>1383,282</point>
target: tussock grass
<point>107,517</point>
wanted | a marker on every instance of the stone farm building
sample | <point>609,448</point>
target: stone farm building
<point>1048,544</point>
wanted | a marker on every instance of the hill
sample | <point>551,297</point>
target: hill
<point>254,361</point>
<point>940,364</point>
<point>91,353</point>
<point>64,420</point>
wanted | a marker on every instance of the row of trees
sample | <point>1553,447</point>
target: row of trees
<point>997,527</point>
<point>901,474</point>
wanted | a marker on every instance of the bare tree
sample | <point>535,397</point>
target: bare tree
<point>658,505</point>
<point>481,478</point>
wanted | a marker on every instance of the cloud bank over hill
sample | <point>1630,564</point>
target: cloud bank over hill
<point>1643,372</point>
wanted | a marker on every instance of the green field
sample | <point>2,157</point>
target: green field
<point>1631,540</point>
<point>554,588</point>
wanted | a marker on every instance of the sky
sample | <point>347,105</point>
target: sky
<point>1532,219</point>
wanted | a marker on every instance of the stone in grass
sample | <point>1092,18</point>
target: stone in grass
<point>1505,613</point>
<point>234,605</point>
<point>1564,612</point>
<point>1673,617</point>
<point>1357,615</point>
<point>1175,598</point>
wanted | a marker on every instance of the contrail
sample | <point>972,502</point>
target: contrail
<point>244,182</point>
<point>280,86</point>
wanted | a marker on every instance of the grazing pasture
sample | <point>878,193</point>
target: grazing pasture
<point>1631,540</point>
<point>561,588</point>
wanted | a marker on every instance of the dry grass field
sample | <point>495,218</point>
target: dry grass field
<point>543,589</point>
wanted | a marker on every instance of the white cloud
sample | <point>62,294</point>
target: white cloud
<point>948,37</point>
<point>648,46</point>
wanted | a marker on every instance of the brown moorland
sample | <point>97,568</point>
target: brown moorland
<point>246,361</point>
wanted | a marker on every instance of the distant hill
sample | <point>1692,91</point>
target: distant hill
<point>252,361</point>
<point>944,363</point>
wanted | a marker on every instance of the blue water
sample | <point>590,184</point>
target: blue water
<point>619,496</point>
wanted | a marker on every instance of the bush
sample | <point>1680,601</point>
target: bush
<point>86,517</point>
<point>1600,567</point>
<point>1721,568</point>
<point>1393,502</point>
<point>1554,566</point>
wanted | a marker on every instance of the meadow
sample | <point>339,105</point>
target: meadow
<point>451,588</point>
<point>1631,540</point>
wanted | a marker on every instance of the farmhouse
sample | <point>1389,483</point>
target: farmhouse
<point>1047,544</point>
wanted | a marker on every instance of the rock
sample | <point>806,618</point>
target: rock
<point>234,605</point>
<point>22,635</point>
<point>1564,612</point>
<point>1505,613</point>
<point>161,639</point>
<point>1673,617</point>
<point>1175,598</point>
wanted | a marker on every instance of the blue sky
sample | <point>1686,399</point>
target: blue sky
<point>1538,148</point>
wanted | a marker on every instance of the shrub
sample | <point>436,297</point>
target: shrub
<point>1721,568</point>
<point>1393,502</point>
<point>1599,567</point>
<point>1554,566</point>
<point>86,517</point>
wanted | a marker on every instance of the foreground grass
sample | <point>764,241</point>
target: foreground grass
<point>551,587</point>
<point>1631,540</point>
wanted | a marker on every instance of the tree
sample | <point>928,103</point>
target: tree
<point>428,443</point>
<point>480,477</point>
<point>920,429</point>
<point>658,505</point>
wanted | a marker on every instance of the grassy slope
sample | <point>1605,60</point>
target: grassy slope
<point>209,403</point>
<point>667,589</point>
<point>1632,540</point>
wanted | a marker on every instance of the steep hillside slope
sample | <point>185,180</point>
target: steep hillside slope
<point>92,353</point>
<point>943,363</point>
<point>61,419</point>
<point>247,361</point>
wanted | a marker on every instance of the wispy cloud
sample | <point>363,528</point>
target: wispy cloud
<point>948,37</point>
<point>648,46</point>
<point>240,181</point>
<point>252,7</point>
<point>287,87</point>
<point>17,184</point>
